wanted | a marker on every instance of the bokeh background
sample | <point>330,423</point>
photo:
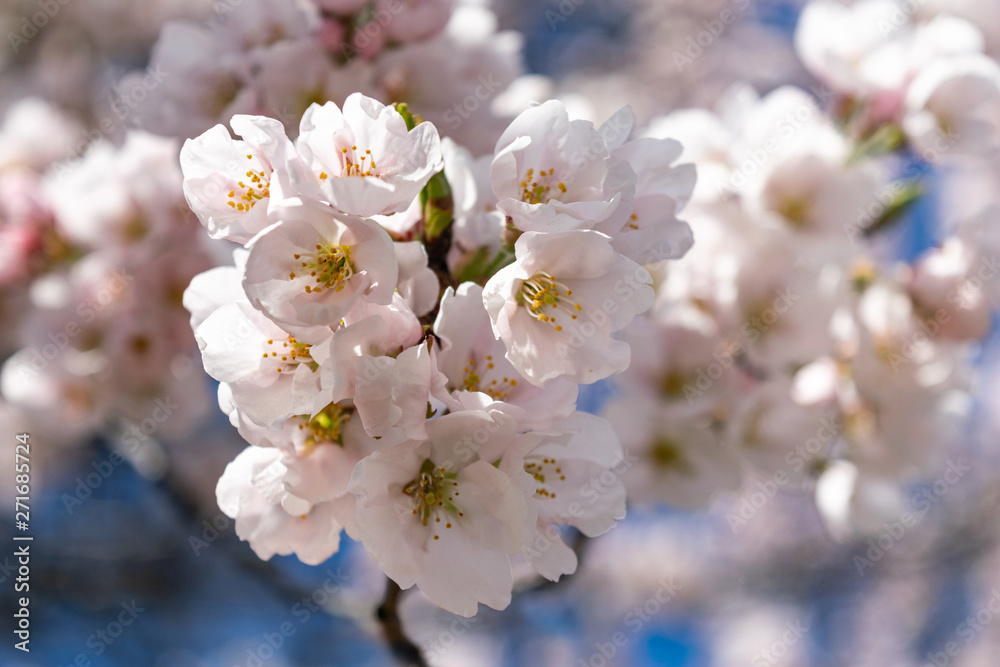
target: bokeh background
<point>666,587</point>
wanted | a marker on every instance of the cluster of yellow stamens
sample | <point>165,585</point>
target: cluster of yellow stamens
<point>355,166</point>
<point>537,190</point>
<point>330,267</point>
<point>289,355</point>
<point>538,469</point>
<point>498,390</point>
<point>542,291</point>
<point>327,425</point>
<point>861,422</point>
<point>796,211</point>
<point>433,490</point>
<point>259,188</point>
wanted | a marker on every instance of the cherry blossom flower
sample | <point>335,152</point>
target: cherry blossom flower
<point>417,19</point>
<point>310,269</point>
<point>473,360</point>
<point>671,460</point>
<point>418,284</point>
<point>952,106</point>
<point>378,361</point>
<point>273,520</point>
<point>226,179</point>
<point>210,81</point>
<point>272,374</point>
<point>363,160</point>
<point>942,289</point>
<point>127,197</point>
<point>478,224</point>
<point>441,76</point>
<point>556,307</point>
<point>576,468</point>
<point>549,172</point>
<point>436,514</point>
<point>645,227</point>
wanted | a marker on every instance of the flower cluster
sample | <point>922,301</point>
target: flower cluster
<point>402,336</point>
<point>926,74</point>
<point>95,257</point>
<point>97,244</point>
<point>789,344</point>
<point>275,58</point>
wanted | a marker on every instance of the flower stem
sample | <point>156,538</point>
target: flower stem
<point>388,615</point>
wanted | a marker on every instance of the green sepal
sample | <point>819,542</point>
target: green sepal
<point>912,190</point>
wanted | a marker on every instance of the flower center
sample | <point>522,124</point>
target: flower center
<point>330,266</point>
<point>289,354</point>
<point>362,165</point>
<point>543,469</point>
<point>326,426</point>
<point>498,390</point>
<point>666,455</point>
<point>542,291</point>
<point>795,211</point>
<point>433,490</point>
<point>672,384</point>
<point>538,190</point>
<point>245,196</point>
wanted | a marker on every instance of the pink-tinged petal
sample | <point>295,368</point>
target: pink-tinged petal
<point>502,520</point>
<point>460,574</point>
<point>312,268</point>
<point>227,182</point>
<point>339,149</point>
<point>556,317</point>
<point>548,554</point>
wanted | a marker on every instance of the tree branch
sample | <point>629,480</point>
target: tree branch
<point>388,615</point>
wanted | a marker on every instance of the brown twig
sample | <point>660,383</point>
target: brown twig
<point>388,615</point>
